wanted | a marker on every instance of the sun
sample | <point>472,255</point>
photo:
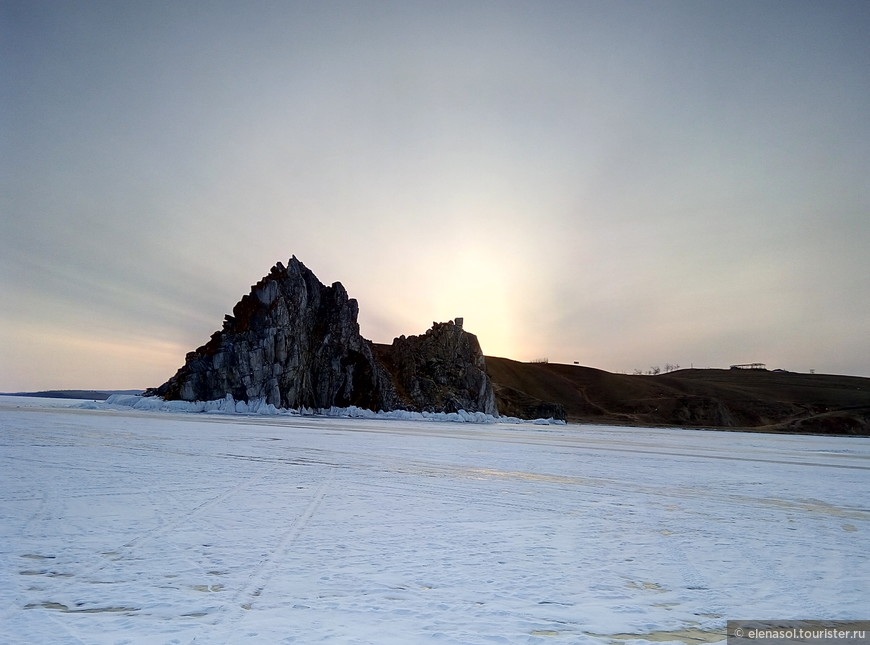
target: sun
<point>476,287</point>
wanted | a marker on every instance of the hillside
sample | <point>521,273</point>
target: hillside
<point>717,398</point>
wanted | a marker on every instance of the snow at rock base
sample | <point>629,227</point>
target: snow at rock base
<point>229,405</point>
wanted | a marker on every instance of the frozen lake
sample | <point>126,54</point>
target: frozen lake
<point>118,526</point>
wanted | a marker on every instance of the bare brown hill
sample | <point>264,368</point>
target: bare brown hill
<point>711,398</point>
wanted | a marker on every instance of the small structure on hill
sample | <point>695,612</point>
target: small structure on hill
<point>749,366</point>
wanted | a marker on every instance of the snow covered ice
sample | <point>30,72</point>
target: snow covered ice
<point>129,526</point>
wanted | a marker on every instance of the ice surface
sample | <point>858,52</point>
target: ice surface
<point>127,526</point>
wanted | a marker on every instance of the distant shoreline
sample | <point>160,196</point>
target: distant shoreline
<point>97,395</point>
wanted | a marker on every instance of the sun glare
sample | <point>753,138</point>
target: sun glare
<point>476,287</point>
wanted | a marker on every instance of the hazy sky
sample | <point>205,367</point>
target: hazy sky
<point>623,184</point>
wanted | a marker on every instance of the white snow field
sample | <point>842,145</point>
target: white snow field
<point>123,526</point>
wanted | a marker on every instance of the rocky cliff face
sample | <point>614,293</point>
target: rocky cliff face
<point>443,370</point>
<point>295,342</point>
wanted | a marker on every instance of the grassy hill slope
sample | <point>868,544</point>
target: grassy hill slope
<point>738,399</point>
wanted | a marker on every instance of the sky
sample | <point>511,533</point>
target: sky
<point>620,184</point>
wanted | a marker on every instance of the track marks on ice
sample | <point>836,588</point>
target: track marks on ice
<point>260,576</point>
<point>185,517</point>
<point>244,598</point>
<point>59,584</point>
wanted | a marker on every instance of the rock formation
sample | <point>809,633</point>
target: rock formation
<point>441,371</point>
<point>295,342</point>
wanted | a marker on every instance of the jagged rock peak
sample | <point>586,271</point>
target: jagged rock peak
<point>291,341</point>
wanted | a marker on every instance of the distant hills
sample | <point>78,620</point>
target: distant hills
<point>96,395</point>
<point>762,400</point>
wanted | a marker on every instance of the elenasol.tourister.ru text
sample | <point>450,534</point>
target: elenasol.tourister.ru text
<point>813,632</point>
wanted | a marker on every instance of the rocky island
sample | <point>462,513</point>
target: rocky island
<point>295,342</point>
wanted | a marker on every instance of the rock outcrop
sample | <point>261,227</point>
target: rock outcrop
<point>294,342</point>
<point>512,402</point>
<point>443,370</point>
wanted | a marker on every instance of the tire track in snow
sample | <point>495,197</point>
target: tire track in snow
<point>243,599</point>
<point>39,514</point>
<point>185,516</point>
<point>112,558</point>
